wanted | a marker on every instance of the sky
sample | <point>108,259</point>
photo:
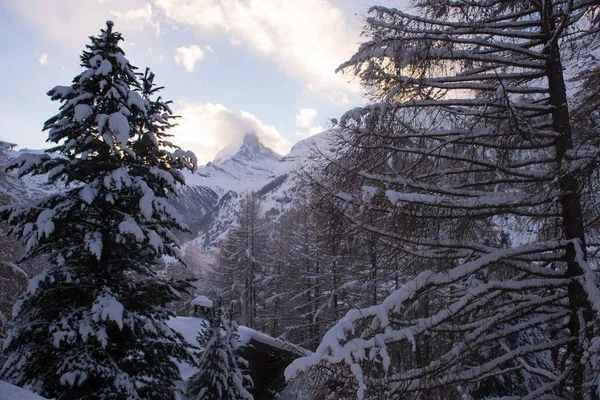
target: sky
<point>231,67</point>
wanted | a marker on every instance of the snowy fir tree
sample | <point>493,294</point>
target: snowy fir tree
<point>220,376</point>
<point>93,324</point>
<point>475,140</point>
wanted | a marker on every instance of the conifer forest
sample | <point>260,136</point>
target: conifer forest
<point>440,241</point>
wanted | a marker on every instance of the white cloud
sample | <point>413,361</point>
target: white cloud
<point>207,128</point>
<point>305,117</point>
<point>304,123</point>
<point>307,39</point>
<point>188,56</point>
<point>140,15</point>
<point>313,130</point>
<point>43,59</point>
<point>70,23</point>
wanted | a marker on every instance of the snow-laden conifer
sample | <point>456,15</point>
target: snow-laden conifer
<point>474,130</point>
<point>92,325</point>
<point>220,376</point>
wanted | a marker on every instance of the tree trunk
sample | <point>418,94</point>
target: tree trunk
<point>570,201</point>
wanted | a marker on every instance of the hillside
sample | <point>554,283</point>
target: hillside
<point>209,201</point>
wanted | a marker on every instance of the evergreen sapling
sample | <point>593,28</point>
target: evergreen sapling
<point>220,376</point>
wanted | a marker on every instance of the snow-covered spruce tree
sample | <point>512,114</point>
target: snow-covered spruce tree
<point>93,324</point>
<point>472,134</point>
<point>220,376</point>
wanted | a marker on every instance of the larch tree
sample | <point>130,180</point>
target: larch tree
<point>319,275</point>
<point>93,324</point>
<point>274,285</point>
<point>304,276</point>
<point>471,143</point>
<point>243,260</point>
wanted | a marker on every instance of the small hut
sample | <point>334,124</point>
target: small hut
<point>267,359</point>
<point>267,356</point>
<point>202,306</point>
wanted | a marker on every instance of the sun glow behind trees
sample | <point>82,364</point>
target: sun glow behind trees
<point>471,135</point>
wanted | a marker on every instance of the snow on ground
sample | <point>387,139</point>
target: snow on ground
<point>11,392</point>
<point>190,328</point>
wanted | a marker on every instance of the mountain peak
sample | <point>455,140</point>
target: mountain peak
<point>247,149</point>
<point>250,139</point>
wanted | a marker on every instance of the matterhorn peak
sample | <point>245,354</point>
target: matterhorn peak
<point>250,139</point>
<point>247,149</point>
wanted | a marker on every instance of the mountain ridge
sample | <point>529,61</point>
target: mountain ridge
<point>252,168</point>
<point>208,202</point>
<point>248,149</point>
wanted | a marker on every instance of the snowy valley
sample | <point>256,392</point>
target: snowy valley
<point>209,200</point>
<point>440,241</point>
<point>211,195</point>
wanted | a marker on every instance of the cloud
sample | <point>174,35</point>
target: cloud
<point>69,23</point>
<point>304,123</point>
<point>140,15</point>
<point>43,59</point>
<point>307,39</point>
<point>305,117</point>
<point>207,128</point>
<point>188,56</point>
<point>313,130</point>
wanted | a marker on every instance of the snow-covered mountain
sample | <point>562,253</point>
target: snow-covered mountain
<point>248,152</point>
<point>210,200</point>
<point>27,189</point>
<point>210,197</point>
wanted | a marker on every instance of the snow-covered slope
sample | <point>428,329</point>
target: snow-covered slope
<point>29,188</point>
<point>209,201</point>
<point>285,181</point>
<point>242,166</point>
<point>11,392</point>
